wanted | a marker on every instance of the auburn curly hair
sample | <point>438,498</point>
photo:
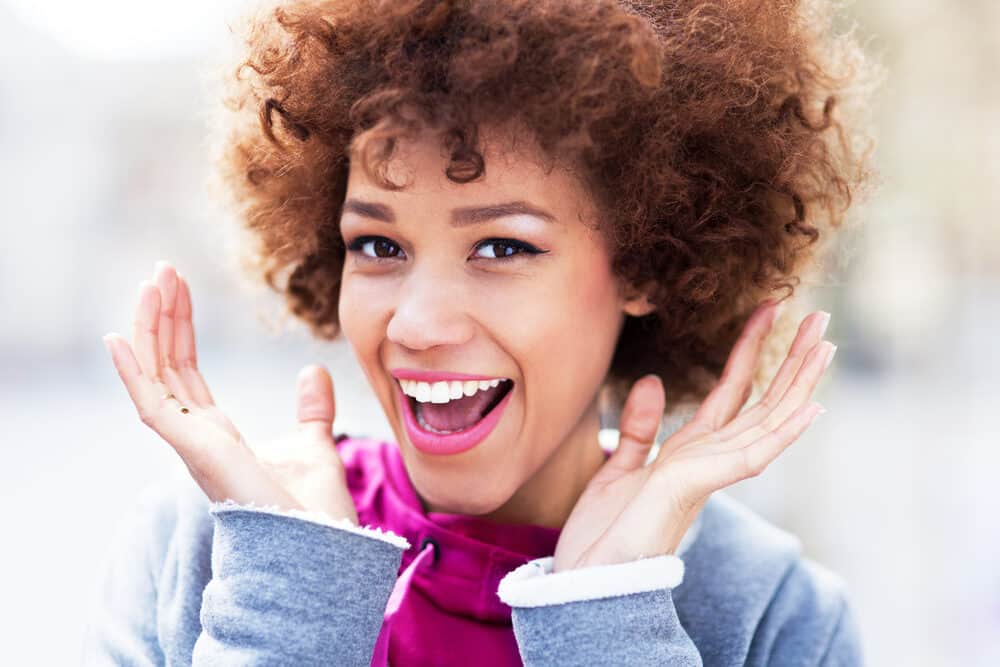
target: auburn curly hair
<point>712,134</point>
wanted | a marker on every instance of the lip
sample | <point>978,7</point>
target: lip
<point>453,443</point>
<point>436,376</point>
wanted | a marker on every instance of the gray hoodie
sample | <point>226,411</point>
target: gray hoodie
<point>187,581</point>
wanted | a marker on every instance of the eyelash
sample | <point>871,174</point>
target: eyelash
<point>523,248</point>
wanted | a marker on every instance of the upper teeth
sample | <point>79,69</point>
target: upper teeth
<point>442,392</point>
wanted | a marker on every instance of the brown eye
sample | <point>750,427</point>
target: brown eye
<point>507,249</point>
<point>383,248</point>
<point>374,247</point>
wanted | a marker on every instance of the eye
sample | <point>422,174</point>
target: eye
<point>374,247</point>
<point>507,249</point>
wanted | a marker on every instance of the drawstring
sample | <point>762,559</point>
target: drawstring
<point>380,657</point>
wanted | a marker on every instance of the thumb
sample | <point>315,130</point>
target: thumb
<point>639,423</point>
<point>316,409</point>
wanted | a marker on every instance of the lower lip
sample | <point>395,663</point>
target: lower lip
<point>453,443</point>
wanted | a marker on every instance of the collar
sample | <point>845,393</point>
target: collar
<point>470,554</point>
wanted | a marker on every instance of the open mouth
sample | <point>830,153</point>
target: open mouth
<point>458,414</point>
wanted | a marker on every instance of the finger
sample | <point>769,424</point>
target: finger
<point>144,334</point>
<point>798,393</point>
<point>124,361</point>
<point>146,393</point>
<point>810,332</point>
<point>640,420</point>
<point>166,281</point>
<point>736,381</point>
<point>727,468</point>
<point>316,407</point>
<point>221,466</point>
<point>185,353</point>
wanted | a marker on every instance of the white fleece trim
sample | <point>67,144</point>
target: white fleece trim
<point>315,516</point>
<point>534,584</point>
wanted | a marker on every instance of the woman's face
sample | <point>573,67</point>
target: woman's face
<point>425,293</point>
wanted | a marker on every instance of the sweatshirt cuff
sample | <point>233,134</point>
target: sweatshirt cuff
<point>315,516</point>
<point>293,587</point>
<point>534,585</point>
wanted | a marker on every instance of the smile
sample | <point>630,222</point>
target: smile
<point>448,417</point>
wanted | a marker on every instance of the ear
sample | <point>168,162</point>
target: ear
<point>636,302</point>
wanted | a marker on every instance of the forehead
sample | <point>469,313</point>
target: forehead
<point>515,169</point>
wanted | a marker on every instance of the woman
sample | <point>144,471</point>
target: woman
<point>510,210</point>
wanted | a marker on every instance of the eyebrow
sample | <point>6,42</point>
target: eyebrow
<point>460,217</point>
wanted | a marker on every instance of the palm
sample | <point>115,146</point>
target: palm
<point>630,509</point>
<point>300,470</point>
<point>609,492</point>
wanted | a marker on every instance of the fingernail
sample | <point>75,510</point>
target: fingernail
<point>780,308</point>
<point>106,338</point>
<point>829,356</point>
<point>820,411</point>
<point>824,323</point>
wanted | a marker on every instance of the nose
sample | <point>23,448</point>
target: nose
<point>429,312</point>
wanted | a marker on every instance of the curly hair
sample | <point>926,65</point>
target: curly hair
<point>712,134</point>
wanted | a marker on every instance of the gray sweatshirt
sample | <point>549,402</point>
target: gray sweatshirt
<point>186,581</point>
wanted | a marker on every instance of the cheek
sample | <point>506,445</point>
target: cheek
<point>358,312</point>
<point>572,314</point>
<point>562,337</point>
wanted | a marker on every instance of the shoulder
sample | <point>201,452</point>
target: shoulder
<point>172,512</point>
<point>749,588</point>
<point>152,576</point>
<point>165,513</point>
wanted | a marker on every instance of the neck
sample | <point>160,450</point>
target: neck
<point>548,497</point>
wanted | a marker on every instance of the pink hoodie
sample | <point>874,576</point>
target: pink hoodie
<point>444,606</point>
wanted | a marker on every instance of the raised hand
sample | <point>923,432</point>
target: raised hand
<point>630,510</point>
<point>300,470</point>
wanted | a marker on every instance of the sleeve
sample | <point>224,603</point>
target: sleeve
<point>619,614</point>
<point>844,649</point>
<point>292,587</point>
<point>810,621</point>
<point>286,587</point>
<point>120,628</point>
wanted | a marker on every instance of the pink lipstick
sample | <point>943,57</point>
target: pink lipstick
<point>449,443</point>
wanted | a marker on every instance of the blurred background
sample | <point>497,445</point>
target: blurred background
<point>103,164</point>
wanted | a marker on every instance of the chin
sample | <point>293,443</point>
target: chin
<point>471,502</point>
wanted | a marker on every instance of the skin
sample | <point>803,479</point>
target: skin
<point>440,300</point>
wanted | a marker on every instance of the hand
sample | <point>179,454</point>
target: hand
<point>630,510</point>
<point>300,470</point>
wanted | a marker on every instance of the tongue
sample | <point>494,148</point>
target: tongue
<point>459,413</point>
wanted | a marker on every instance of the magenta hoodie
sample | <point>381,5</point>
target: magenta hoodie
<point>444,606</point>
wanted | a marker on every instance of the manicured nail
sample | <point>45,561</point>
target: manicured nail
<point>829,356</point>
<point>824,323</point>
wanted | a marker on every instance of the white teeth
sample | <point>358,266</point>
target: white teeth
<point>421,391</point>
<point>444,391</point>
<point>439,392</point>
